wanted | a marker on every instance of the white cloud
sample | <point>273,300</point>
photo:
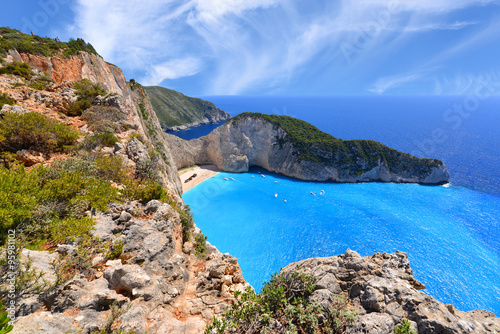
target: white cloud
<point>468,84</point>
<point>440,26</point>
<point>386,83</point>
<point>241,46</point>
<point>172,69</point>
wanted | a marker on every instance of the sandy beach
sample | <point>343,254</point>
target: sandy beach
<point>202,172</point>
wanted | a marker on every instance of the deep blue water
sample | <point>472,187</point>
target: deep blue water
<point>197,131</point>
<point>451,234</point>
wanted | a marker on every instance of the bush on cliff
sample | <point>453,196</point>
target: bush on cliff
<point>34,131</point>
<point>283,306</point>
<point>5,99</point>
<point>24,43</point>
<point>100,139</point>
<point>16,68</point>
<point>87,93</point>
<point>103,119</point>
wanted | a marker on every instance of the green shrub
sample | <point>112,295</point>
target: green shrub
<point>67,229</point>
<point>404,328</point>
<point>144,191</point>
<point>86,89</point>
<point>18,68</point>
<point>136,135</point>
<point>200,250</point>
<point>14,39</point>
<point>187,222</point>
<point>285,299</point>
<point>101,113</point>
<point>100,139</point>
<point>34,131</point>
<point>115,250</point>
<point>103,119</point>
<point>18,189</point>
<point>76,108</point>
<point>41,83</point>
<point>87,93</point>
<point>4,321</point>
<point>5,99</point>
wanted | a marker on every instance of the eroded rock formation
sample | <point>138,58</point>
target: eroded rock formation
<point>253,141</point>
<point>384,291</point>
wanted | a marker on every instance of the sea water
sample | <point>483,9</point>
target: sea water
<point>451,233</point>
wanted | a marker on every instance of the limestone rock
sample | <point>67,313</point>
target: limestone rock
<point>252,141</point>
<point>30,157</point>
<point>383,290</point>
<point>44,323</point>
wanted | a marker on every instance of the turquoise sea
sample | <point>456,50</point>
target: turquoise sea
<point>451,233</point>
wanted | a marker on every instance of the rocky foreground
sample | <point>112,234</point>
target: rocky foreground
<point>384,291</point>
<point>158,286</point>
<point>253,140</point>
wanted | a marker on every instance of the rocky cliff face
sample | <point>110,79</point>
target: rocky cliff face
<point>384,291</point>
<point>132,103</point>
<point>253,141</point>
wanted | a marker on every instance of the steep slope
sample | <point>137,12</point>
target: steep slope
<point>143,259</point>
<point>177,111</point>
<point>295,148</point>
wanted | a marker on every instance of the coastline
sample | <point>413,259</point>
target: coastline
<point>203,173</point>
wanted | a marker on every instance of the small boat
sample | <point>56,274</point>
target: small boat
<point>226,178</point>
<point>275,181</point>
<point>231,178</point>
<point>253,176</point>
<point>322,192</point>
<point>284,200</point>
<point>313,193</point>
<point>262,175</point>
<point>276,195</point>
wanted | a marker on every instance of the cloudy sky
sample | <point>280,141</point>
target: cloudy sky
<point>282,47</point>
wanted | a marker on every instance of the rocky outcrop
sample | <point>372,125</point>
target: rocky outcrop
<point>254,141</point>
<point>159,287</point>
<point>177,111</point>
<point>384,291</point>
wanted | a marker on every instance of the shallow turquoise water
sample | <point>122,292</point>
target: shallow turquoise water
<point>451,234</point>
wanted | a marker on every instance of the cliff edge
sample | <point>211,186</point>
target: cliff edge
<point>297,149</point>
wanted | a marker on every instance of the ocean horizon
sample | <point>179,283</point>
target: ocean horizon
<point>451,233</point>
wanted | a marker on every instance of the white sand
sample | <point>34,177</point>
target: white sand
<point>203,172</point>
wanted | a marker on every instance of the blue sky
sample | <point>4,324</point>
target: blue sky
<point>283,47</point>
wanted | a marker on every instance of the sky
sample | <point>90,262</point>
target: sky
<point>283,47</point>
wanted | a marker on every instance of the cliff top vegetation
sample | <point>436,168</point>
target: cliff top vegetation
<point>14,39</point>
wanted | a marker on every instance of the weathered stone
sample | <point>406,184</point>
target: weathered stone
<point>190,326</point>
<point>124,217</point>
<point>30,157</point>
<point>134,320</point>
<point>126,278</point>
<point>66,249</point>
<point>44,323</point>
<point>382,290</point>
<point>152,206</point>
<point>41,261</point>
<point>28,306</point>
